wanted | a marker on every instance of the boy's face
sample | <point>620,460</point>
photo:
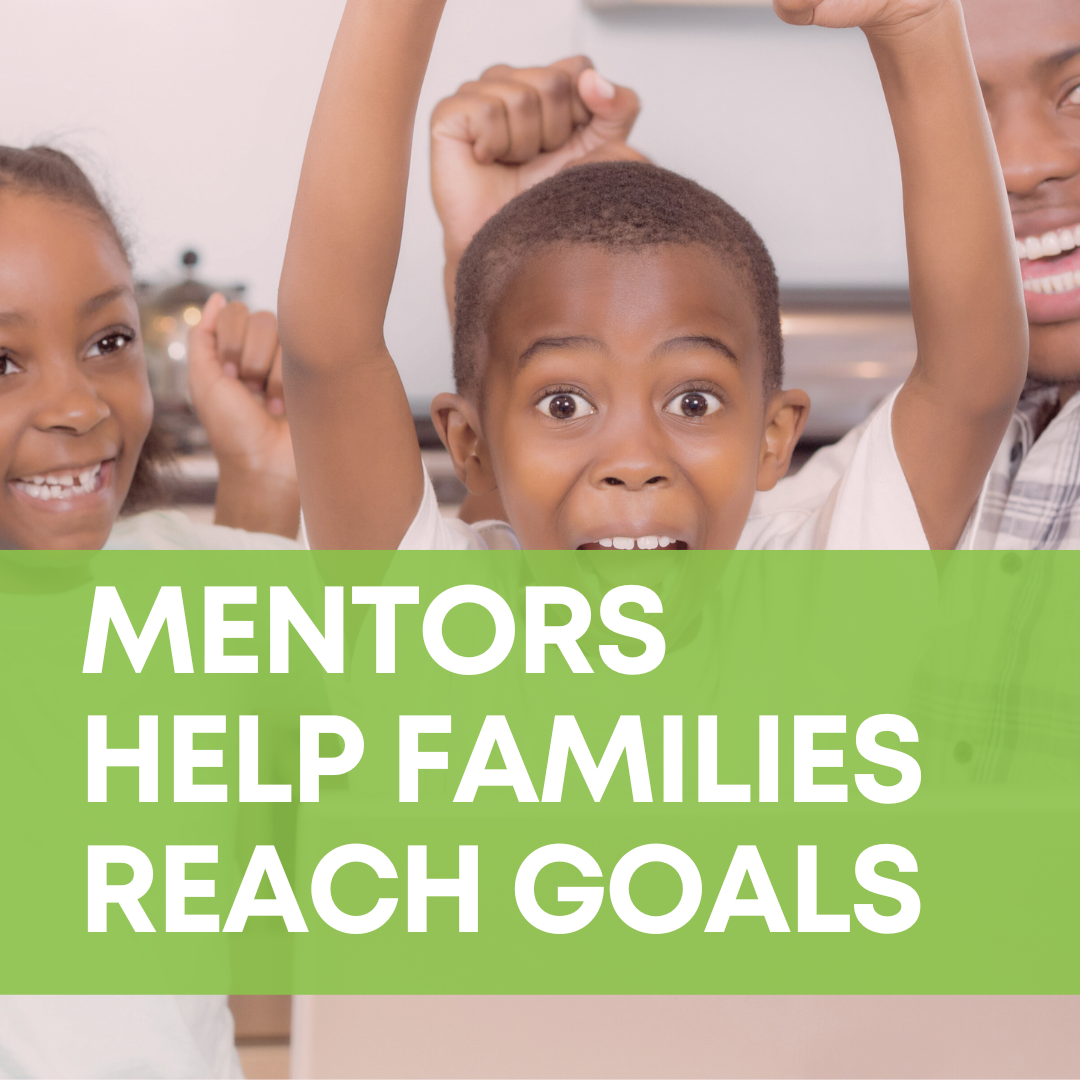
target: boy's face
<point>1028,58</point>
<point>75,403</point>
<point>623,399</point>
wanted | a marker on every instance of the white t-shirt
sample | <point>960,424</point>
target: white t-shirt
<point>855,497</point>
<point>173,530</point>
<point>111,1035</point>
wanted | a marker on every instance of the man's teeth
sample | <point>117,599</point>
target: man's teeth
<point>61,485</point>
<point>1053,283</point>
<point>1049,244</point>
<point>641,543</point>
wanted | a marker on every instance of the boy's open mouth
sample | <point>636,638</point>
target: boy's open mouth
<point>64,485</point>
<point>636,543</point>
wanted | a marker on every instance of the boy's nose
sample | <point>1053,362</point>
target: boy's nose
<point>634,478</point>
<point>636,462</point>
<point>635,456</point>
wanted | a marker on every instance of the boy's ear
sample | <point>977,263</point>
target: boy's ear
<point>456,420</point>
<point>785,418</point>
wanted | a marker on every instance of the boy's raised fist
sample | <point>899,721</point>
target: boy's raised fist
<point>512,128</point>
<point>869,14</point>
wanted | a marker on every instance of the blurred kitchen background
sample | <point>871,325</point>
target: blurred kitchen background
<point>192,115</point>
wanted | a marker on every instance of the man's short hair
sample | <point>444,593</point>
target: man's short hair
<point>622,206</point>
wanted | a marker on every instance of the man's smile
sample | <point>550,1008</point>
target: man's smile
<point>1050,267</point>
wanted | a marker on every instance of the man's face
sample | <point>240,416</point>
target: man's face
<point>1027,53</point>
<point>624,404</point>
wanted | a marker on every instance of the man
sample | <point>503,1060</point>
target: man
<point>1028,59</point>
<point>514,127</point>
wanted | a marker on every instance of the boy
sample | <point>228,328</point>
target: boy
<point>617,344</point>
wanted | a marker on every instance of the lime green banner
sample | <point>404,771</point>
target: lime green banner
<point>609,772</point>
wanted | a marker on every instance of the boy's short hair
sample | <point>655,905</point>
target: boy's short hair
<point>621,205</point>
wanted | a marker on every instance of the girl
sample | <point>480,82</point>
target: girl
<point>76,442</point>
<point>77,448</point>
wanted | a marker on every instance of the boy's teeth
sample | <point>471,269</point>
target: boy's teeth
<point>1049,244</point>
<point>641,543</point>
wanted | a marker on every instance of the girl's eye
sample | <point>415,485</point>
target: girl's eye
<point>565,406</point>
<point>694,404</point>
<point>110,343</point>
<point>1073,97</point>
<point>8,366</point>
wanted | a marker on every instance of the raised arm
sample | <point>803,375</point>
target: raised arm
<point>966,294</point>
<point>357,458</point>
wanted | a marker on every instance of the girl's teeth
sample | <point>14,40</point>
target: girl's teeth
<point>647,543</point>
<point>623,543</point>
<point>60,485</point>
<point>606,542</point>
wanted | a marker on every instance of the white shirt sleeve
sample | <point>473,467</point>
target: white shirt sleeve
<point>855,498</point>
<point>431,531</point>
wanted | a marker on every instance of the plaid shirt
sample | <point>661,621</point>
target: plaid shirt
<point>1031,499</point>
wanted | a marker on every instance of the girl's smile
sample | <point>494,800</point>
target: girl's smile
<point>65,489</point>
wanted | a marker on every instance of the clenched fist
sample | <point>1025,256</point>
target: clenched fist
<point>868,14</point>
<point>234,374</point>
<point>513,127</point>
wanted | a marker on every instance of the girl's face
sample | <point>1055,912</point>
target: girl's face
<point>75,403</point>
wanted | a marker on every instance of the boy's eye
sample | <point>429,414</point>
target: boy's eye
<point>1073,97</point>
<point>565,406</point>
<point>8,366</point>
<point>111,343</point>
<point>693,404</point>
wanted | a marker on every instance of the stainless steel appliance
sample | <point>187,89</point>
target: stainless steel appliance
<point>168,310</point>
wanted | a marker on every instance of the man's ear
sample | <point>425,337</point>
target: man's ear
<point>456,420</point>
<point>785,418</point>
